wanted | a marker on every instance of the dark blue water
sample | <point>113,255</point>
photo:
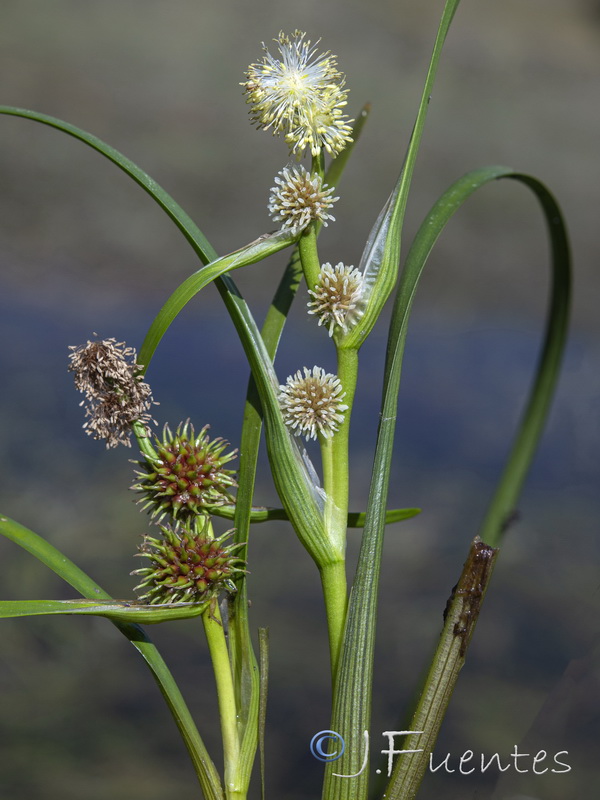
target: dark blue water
<point>462,390</point>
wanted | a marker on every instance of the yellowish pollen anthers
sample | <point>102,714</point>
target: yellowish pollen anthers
<point>298,198</point>
<point>312,404</point>
<point>300,95</point>
<point>337,297</point>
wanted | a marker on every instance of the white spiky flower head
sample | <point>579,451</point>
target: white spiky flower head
<point>301,95</point>
<point>312,404</point>
<point>298,198</point>
<point>337,297</point>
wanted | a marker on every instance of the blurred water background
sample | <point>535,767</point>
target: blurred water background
<point>83,249</point>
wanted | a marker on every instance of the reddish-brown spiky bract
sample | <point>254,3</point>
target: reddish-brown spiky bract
<point>187,565</point>
<point>188,475</point>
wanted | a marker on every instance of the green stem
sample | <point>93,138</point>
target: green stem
<point>217,645</point>
<point>333,574</point>
<point>333,580</point>
<point>334,456</point>
<point>235,786</point>
<point>144,441</point>
<point>318,165</point>
<point>337,488</point>
<point>309,256</point>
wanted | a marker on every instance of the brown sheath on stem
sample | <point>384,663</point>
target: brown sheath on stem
<point>460,617</point>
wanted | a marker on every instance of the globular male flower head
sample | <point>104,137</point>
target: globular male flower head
<point>188,474</point>
<point>298,198</point>
<point>312,404</point>
<point>337,297</point>
<point>115,393</point>
<point>186,565</point>
<point>301,95</point>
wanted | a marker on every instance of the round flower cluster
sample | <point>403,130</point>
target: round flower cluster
<point>188,474</point>
<point>187,565</point>
<point>115,394</point>
<point>298,198</point>
<point>337,297</point>
<point>300,94</point>
<point>312,404</point>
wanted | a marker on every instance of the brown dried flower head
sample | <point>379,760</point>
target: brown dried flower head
<point>105,371</point>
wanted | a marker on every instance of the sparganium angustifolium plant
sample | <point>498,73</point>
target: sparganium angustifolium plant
<point>185,476</point>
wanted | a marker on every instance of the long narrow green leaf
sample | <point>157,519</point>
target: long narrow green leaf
<point>445,667</point>
<point>73,575</point>
<point>52,558</point>
<point>357,682</point>
<point>356,519</point>
<point>255,251</point>
<point>352,690</point>
<point>263,642</point>
<point>380,260</point>
<point>247,680</point>
<point>120,610</point>
<point>303,504</point>
<point>292,476</point>
<point>548,367</point>
<point>303,501</point>
<point>536,412</point>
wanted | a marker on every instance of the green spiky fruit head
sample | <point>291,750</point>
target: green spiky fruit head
<point>186,565</point>
<point>188,474</point>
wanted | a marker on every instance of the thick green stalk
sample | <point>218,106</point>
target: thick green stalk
<point>309,256</point>
<point>334,456</point>
<point>144,441</point>
<point>337,484</point>
<point>335,594</point>
<point>219,654</point>
<point>318,165</point>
